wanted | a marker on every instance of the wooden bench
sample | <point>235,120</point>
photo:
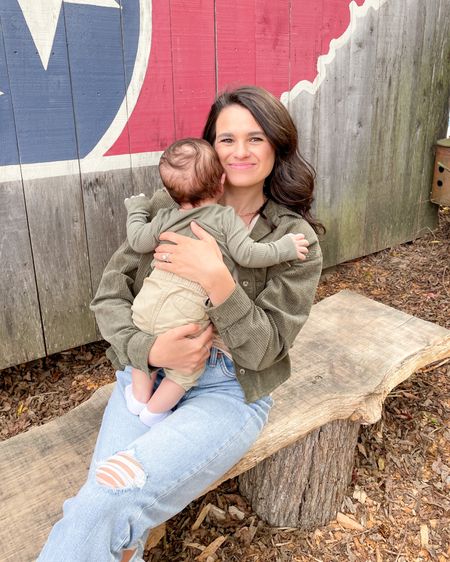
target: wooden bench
<point>350,354</point>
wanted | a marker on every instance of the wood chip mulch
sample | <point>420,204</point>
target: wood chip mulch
<point>397,507</point>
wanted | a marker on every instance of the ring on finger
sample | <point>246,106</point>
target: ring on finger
<point>165,257</point>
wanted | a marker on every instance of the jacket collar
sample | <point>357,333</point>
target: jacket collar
<point>273,211</point>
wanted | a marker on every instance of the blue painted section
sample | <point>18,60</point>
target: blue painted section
<point>8,142</point>
<point>95,48</point>
<point>130,27</point>
<point>43,102</point>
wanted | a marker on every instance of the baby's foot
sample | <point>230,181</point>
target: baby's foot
<point>149,418</point>
<point>133,405</point>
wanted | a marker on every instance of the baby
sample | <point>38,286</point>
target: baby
<point>193,176</point>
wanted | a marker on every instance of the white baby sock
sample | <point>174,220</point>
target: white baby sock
<point>133,405</point>
<point>149,418</point>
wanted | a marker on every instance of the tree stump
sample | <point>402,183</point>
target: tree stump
<point>303,485</point>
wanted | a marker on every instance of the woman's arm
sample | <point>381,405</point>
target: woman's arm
<point>261,332</point>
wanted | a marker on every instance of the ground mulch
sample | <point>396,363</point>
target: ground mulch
<point>397,507</point>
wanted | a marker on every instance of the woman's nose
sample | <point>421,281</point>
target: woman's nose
<point>241,150</point>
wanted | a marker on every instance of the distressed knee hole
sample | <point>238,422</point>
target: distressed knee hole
<point>121,472</point>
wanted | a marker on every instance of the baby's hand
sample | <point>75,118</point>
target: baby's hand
<point>301,245</point>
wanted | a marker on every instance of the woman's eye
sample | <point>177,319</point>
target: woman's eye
<point>256,139</point>
<point>226,141</point>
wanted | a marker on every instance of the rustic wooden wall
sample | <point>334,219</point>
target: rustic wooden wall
<point>368,119</point>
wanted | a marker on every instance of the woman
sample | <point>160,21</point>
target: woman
<point>140,478</point>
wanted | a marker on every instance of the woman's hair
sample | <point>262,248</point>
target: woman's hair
<point>291,181</point>
<point>191,171</point>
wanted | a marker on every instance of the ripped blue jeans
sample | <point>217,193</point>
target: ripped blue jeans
<point>140,477</point>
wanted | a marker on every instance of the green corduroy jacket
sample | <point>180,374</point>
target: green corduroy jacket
<point>258,322</point>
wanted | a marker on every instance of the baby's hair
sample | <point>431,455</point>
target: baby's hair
<point>191,171</point>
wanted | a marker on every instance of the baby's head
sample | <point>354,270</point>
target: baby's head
<point>191,171</point>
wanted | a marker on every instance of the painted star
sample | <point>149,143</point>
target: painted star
<point>42,18</point>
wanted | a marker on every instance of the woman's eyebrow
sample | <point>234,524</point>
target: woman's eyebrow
<point>249,134</point>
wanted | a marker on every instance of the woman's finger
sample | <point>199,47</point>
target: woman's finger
<point>166,249</point>
<point>206,337</point>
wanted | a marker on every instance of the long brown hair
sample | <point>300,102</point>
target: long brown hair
<point>291,182</point>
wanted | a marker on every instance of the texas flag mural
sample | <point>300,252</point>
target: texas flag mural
<point>95,80</point>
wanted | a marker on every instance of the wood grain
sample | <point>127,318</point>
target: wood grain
<point>20,322</point>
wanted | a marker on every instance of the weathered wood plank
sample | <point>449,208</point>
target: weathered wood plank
<point>345,377</point>
<point>438,19</point>
<point>386,150</point>
<point>352,118</point>
<point>20,323</point>
<point>235,42</point>
<point>105,213</point>
<point>55,214</point>
<point>102,192</point>
<point>158,123</point>
<point>58,238</point>
<point>272,45</point>
<point>194,74</point>
<point>304,106</point>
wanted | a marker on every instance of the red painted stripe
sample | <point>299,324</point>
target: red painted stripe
<point>151,126</point>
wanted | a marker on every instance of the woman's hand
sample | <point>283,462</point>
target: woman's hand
<point>198,260</point>
<point>185,349</point>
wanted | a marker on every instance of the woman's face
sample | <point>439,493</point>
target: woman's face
<point>243,148</point>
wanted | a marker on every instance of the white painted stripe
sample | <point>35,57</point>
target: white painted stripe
<point>101,3</point>
<point>323,61</point>
<point>72,167</point>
